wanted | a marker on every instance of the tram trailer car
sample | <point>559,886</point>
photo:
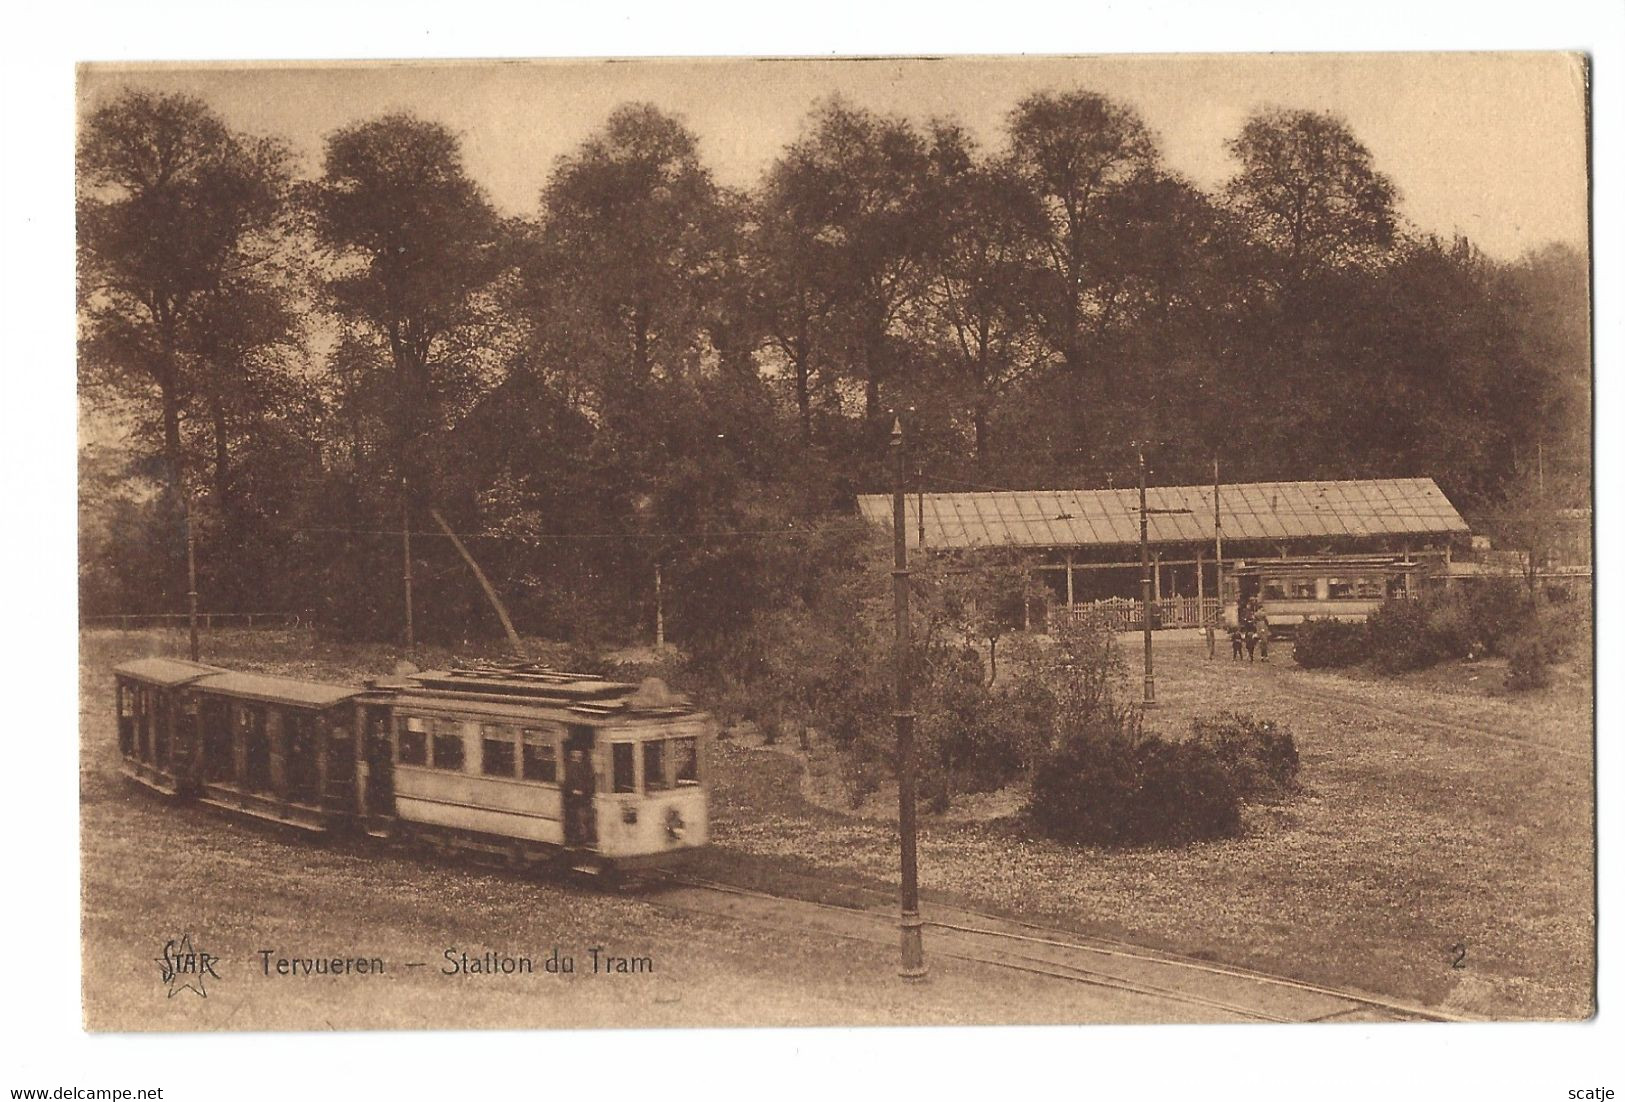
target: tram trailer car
<point>1347,587</point>
<point>519,761</point>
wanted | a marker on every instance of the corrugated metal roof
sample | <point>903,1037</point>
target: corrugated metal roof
<point>1250,511</point>
<point>164,671</point>
<point>278,690</point>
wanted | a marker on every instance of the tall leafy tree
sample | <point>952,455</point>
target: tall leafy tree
<point>974,314</point>
<point>633,288</point>
<point>856,185</point>
<point>413,247</point>
<point>634,252</point>
<point>795,288</point>
<point>174,209</point>
<point>1310,195</point>
<point>1078,153</point>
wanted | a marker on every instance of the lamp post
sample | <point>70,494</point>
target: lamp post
<point>913,952</point>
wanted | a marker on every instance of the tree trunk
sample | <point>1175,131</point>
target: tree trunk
<point>803,399</point>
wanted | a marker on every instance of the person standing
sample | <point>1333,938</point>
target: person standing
<point>1261,628</point>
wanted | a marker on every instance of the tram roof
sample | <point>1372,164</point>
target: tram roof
<point>1248,511</point>
<point>277,690</point>
<point>167,672</point>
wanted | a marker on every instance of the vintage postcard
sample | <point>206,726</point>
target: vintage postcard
<point>985,540</point>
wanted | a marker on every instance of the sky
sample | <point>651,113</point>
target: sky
<point>1492,145</point>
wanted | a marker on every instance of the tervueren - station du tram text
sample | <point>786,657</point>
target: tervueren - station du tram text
<point>516,760</point>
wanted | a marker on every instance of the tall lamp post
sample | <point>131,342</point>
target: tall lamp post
<point>913,952</point>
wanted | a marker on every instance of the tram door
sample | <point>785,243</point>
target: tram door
<point>380,763</point>
<point>215,718</point>
<point>579,826</point>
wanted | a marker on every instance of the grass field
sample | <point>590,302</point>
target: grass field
<point>1422,828</point>
<point>1430,858</point>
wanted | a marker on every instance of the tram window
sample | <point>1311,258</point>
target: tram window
<point>1368,588</point>
<point>541,759</point>
<point>1340,589</point>
<point>414,742</point>
<point>126,702</point>
<point>448,747</point>
<point>1301,589</point>
<point>654,765</point>
<point>685,754</point>
<point>497,752</point>
<point>625,780</point>
<point>1273,589</point>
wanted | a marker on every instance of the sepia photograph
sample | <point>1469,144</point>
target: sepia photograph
<point>838,542</point>
<point>716,551</point>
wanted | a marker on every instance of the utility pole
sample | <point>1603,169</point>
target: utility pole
<point>1145,576</point>
<point>406,564</point>
<point>660,611</point>
<point>191,577</point>
<point>919,503</point>
<point>1145,585</point>
<point>1218,547</point>
<point>913,952</point>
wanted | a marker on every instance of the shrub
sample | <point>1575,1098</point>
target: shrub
<point>1112,785</point>
<point>1262,756</point>
<point>1400,637</point>
<point>1564,630</point>
<point>1319,644</point>
<point>962,748</point>
<point>1526,665</point>
<point>1498,608</point>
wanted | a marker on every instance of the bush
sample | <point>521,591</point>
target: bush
<point>1319,644</point>
<point>1261,755</point>
<point>1401,638</point>
<point>1526,665</point>
<point>1112,785</point>
<point>1499,609</point>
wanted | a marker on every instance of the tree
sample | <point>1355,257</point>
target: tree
<point>1077,151</point>
<point>1307,190</point>
<point>173,212</point>
<point>973,310</point>
<point>413,244</point>
<point>413,248</point>
<point>854,185</point>
<point>793,273</point>
<point>632,257</point>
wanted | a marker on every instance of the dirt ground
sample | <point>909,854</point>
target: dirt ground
<point>1442,853</point>
<point>155,874</point>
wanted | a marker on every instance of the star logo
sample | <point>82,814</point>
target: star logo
<point>182,967</point>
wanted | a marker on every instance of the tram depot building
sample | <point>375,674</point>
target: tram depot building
<point>1330,542</point>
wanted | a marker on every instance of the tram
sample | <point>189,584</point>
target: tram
<point>516,760</point>
<point>1343,587</point>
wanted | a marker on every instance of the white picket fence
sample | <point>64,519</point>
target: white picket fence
<point>1123,613</point>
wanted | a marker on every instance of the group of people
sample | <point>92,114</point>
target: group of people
<point>1252,632</point>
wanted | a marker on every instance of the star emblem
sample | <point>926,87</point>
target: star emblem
<point>183,967</point>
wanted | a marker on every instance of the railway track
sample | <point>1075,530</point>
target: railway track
<point>1204,990</point>
<point>1290,685</point>
<point>1289,681</point>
